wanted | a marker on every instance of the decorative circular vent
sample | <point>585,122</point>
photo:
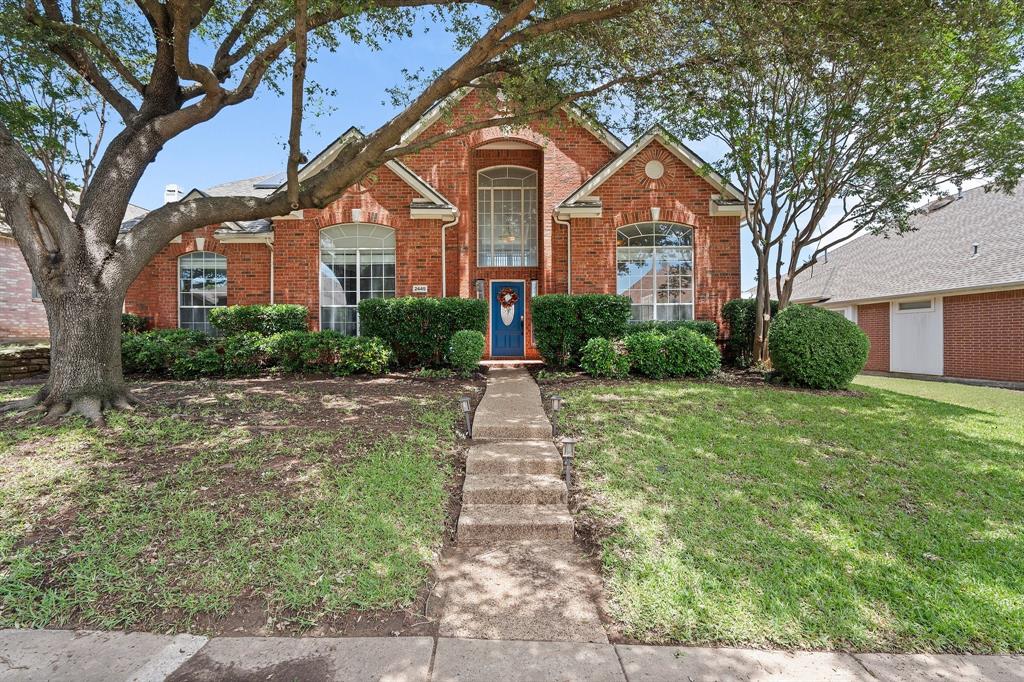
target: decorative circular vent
<point>654,169</point>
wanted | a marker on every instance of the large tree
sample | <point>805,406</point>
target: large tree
<point>143,60</point>
<point>838,117</point>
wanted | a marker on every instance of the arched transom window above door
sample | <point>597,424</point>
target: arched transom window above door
<point>506,217</point>
<point>655,270</point>
<point>357,261</point>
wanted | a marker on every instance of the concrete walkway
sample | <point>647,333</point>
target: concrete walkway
<point>516,574</point>
<point>67,656</point>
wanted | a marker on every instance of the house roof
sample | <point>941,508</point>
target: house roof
<point>132,215</point>
<point>582,195</point>
<point>938,256</point>
<point>602,133</point>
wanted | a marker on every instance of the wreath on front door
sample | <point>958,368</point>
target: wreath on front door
<point>508,297</point>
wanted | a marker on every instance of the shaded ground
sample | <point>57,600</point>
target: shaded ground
<point>730,513</point>
<point>239,507</point>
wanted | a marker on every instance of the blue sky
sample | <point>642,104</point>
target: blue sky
<point>249,139</point>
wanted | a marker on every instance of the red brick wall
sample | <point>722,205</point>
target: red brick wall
<point>154,293</point>
<point>21,318</point>
<point>565,154</point>
<point>683,197</point>
<point>874,320</point>
<point>984,335</point>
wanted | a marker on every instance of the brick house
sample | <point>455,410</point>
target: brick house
<point>946,299</point>
<point>549,208</point>
<point>22,317</point>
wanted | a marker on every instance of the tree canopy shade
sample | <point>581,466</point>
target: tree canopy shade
<point>839,117</point>
<point>164,67</point>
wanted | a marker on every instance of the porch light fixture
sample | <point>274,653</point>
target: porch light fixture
<point>556,405</point>
<point>568,454</point>
<point>466,409</point>
<point>479,286</point>
<point>533,287</point>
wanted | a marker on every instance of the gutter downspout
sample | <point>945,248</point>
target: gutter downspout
<point>444,255</point>
<point>568,250</point>
<point>270,245</point>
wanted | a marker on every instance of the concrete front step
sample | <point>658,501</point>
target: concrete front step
<point>512,429</point>
<point>514,457</point>
<point>514,489</point>
<point>487,522</point>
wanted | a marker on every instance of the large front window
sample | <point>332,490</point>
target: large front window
<point>356,261</point>
<point>202,285</point>
<point>655,270</point>
<point>506,217</point>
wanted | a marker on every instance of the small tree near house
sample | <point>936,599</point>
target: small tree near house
<point>142,60</point>
<point>839,117</point>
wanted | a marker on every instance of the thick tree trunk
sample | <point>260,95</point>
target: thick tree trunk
<point>85,358</point>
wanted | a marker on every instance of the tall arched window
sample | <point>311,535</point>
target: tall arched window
<point>202,285</point>
<point>357,261</point>
<point>506,217</point>
<point>655,270</point>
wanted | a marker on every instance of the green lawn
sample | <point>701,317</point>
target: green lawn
<point>226,506</point>
<point>872,521</point>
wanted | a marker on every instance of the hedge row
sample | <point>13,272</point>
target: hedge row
<point>563,324</point>
<point>189,354</point>
<point>419,330</point>
<point>680,352</point>
<point>707,328</point>
<point>261,319</point>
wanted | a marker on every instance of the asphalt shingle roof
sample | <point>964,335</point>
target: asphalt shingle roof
<point>937,256</point>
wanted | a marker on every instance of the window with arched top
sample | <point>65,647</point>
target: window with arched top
<point>357,261</point>
<point>655,270</point>
<point>202,286</point>
<point>506,217</point>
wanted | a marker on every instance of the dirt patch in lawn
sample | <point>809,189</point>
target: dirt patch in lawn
<point>205,472</point>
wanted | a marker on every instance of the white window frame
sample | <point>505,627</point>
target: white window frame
<point>929,308</point>
<point>204,254</point>
<point>693,267</point>
<point>358,253</point>
<point>528,231</point>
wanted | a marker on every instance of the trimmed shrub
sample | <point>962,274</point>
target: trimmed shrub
<point>602,358</point>
<point>157,351</point>
<point>563,324</point>
<point>646,352</point>
<point>244,354</point>
<point>689,353</point>
<point>741,314</point>
<point>708,328</point>
<point>816,347</point>
<point>419,330</point>
<point>206,361</point>
<point>465,350</point>
<point>133,324</point>
<point>329,352</point>
<point>262,319</point>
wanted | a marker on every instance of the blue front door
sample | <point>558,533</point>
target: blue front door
<point>508,305</point>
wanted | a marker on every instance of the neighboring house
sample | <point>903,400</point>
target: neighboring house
<point>944,300</point>
<point>22,317</point>
<point>546,209</point>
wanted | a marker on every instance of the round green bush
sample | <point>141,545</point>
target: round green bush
<point>816,347</point>
<point>465,350</point>
<point>600,358</point>
<point>646,351</point>
<point>691,354</point>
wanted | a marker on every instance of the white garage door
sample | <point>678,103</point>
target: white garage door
<point>915,336</point>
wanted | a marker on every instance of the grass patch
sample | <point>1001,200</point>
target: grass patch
<point>871,521</point>
<point>181,518</point>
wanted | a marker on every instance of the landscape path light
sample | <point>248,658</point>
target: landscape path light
<point>568,454</point>
<point>464,403</point>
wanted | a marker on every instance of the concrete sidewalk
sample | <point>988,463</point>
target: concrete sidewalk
<point>66,656</point>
